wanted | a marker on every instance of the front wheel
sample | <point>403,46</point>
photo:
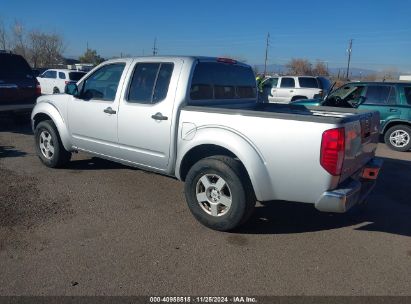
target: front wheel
<point>398,138</point>
<point>49,148</point>
<point>219,193</point>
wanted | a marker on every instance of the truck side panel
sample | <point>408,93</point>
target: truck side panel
<point>282,157</point>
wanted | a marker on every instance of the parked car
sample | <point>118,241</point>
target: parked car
<point>19,89</point>
<point>391,99</point>
<point>284,89</point>
<point>198,119</point>
<point>54,81</point>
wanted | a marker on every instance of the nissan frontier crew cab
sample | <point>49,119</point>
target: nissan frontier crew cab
<point>198,119</point>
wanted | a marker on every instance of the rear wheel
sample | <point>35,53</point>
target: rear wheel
<point>398,138</point>
<point>49,148</point>
<point>218,193</point>
<point>56,90</point>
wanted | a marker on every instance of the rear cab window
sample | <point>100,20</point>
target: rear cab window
<point>222,81</point>
<point>62,75</point>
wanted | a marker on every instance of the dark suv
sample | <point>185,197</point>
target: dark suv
<point>391,99</point>
<point>19,88</point>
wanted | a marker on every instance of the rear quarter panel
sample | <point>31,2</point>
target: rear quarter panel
<point>282,156</point>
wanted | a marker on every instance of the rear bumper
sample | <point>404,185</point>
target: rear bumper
<point>352,191</point>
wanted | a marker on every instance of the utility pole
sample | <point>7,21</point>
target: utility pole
<point>266,53</point>
<point>155,49</point>
<point>349,58</point>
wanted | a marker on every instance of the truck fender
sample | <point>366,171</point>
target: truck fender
<point>50,110</point>
<point>240,146</point>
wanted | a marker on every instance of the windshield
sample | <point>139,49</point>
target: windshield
<point>347,92</point>
<point>345,95</point>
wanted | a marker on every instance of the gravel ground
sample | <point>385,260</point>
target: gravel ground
<point>99,228</point>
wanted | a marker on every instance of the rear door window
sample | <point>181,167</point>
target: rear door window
<point>62,75</point>
<point>213,80</point>
<point>150,82</point>
<point>287,82</point>
<point>308,82</point>
<point>377,94</point>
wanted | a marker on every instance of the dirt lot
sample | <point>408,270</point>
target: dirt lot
<point>98,228</point>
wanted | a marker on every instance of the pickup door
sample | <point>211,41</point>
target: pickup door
<point>146,112</point>
<point>92,116</point>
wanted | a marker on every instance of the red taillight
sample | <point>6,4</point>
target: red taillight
<point>66,82</point>
<point>227,60</point>
<point>332,150</point>
<point>38,89</point>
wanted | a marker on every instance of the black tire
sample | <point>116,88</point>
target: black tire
<point>402,129</point>
<point>56,90</point>
<point>238,187</point>
<point>60,156</point>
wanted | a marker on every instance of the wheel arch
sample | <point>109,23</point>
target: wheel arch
<point>231,145</point>
<point>393,123</point>
<point>46,111</point>
<point>298,97</point>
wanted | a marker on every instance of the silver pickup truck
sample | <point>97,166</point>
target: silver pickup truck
<point>198,119</point>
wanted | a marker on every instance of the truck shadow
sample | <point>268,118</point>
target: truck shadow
<point>10,151</point>
<point>94,163</point>
<point>15,124</point>
<point>388,209</point>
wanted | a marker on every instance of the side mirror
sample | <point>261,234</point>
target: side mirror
<point>71,89</point>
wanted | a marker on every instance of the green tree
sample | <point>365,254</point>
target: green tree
<point>91,56</point>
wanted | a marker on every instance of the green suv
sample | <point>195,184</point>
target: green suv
<point>391,99</point>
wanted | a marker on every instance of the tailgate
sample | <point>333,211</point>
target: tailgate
<point>361,139</point>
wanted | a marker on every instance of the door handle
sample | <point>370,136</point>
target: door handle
<point>393,110</point>
<point>109,110</point>
<point>159,116</point>
<point>291,90</point>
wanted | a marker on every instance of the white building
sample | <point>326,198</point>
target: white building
<point>405,77</point>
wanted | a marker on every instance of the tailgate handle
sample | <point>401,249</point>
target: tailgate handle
<point>393,110</point>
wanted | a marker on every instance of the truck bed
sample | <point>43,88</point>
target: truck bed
<point>287,138</point>
<point>286,111</point>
